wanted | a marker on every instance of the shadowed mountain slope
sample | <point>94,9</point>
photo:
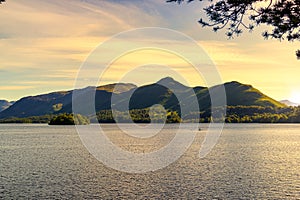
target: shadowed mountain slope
<point>167,92</point>
<point>5,104</point>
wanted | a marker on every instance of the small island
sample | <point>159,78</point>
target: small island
<point>69,119</point>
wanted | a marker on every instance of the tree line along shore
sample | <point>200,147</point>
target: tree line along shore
<point>234,114</point>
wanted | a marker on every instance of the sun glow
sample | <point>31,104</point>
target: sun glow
<point>295,97</point>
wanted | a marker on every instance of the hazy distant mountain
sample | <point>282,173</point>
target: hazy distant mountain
<point>161,92</point>
<point>5,104</point>
<point>289,103</point>
<point>117,88</point>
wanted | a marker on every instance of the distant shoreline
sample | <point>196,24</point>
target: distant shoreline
<point>7,123</point>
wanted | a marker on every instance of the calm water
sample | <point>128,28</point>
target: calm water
<point>249,162</point>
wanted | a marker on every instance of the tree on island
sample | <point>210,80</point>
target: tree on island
<point>69,119</point>
<point>236,15</point>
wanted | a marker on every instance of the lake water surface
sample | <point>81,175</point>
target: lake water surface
<point>250,161</point>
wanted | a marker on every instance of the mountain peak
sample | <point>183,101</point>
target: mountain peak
<point>170,83</point>
<point>161,92</point>
<point>236,83</point>
<point>5,104</point>
<point>117,87</point>
<point>289,103</point>
<point>3,101</point>
<point>166,79</point>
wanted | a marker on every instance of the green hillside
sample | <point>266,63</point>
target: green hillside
<point>241,94</point>
<point>132,97</point>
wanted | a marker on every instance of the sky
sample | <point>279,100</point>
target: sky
<point>44,44</point>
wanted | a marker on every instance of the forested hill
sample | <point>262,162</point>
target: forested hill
<point>143,97</point>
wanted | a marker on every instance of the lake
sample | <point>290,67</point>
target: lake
<point>250,161</point>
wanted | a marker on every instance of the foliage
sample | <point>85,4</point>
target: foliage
<point>235,114</point>
<point>249,114</point>
<point>33,119</point>
<point>138,116</point>
<point>236,15</point>
<point>69,119</point>
<point>259,114</point>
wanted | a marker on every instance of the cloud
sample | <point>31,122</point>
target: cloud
<point>15,87</point>
<point>43,43</point>
<point>57,18</point>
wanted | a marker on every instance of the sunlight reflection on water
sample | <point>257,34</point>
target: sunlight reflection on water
<point>250,161</point>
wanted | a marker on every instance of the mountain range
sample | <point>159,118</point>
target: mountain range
<point>289,103</point>
<point>5,104</point>
<point>161,92</point>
